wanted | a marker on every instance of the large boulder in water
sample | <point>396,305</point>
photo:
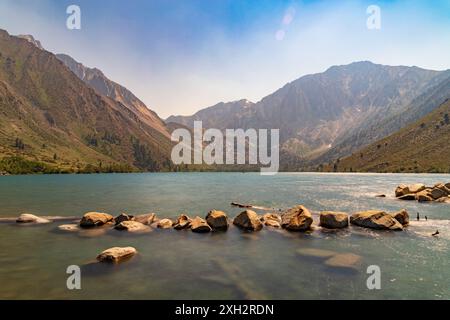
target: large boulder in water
<point>375,219</point>
<point>116,254</point>
<point>182,222</point>
<point>403,189</point>
<point>248,220</point>
<point>199,225</point>
<point>31,218</point>
<point>95,219</point>
<point>218,220</point>
<point>424,196</point>
<point>333,220</point>
<point>442,187</point>
<point>297,219</point>
<point>401,216</point>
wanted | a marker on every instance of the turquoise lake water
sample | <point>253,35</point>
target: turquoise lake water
<point>226,265</point>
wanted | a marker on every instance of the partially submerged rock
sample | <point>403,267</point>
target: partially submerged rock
<point>146,219</point>
<point>69,227</point>
<point>116,254</point>
<point>408,197</point>
<point>297,219</point>
<point>424,196</point>
<point>165,224</point>
<point>344,260</point>
<point>218,220</point>
<point>200,225</point>
<point>95,219</point>
<point>375,219</point>
<point>31,218</point>
<point>248,220</point>
<point>401,216</point>
<point>132,226</point>
<point>182,222</point>
<point>333,220</point>
<point>316,253</point>
<point>380,196</point>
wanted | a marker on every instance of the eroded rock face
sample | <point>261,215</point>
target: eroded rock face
<point>95,219</point>
<point>248,220</point>
<point>146,219</point>
<point>132,226</point>
<point>424,196</point>
<point>333,220</point>
<point>31,218</point>
<point>437,193</point>
<point>401,216</point>
<point>165,224</point>
<point>200,225</point>
<point>271,220</point>
<point>297,219</point>
<point>218,220</point>
<point>116,254</point>
<point>182,222</point>
<point>375,219</point>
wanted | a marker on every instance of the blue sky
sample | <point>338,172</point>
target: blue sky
<point>179,56</point>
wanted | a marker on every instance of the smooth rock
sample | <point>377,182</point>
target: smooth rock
<point>217,220</point>
<point>271,220</point>
<point>116,254</point>
<point>401,216</point>
<point>333,220</point>
<point>146,219</point>
<point>182,222</point>
<point>132,226</point>
<point>375,219</point>
<point>248,220</point>
<point>165,224</point>
<point>31,218</point>
<point>200,225</point>
<point>403,189</point>
<point>297,219</point>
<point>95,219</point>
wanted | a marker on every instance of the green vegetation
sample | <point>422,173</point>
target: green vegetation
<point>19,165</point>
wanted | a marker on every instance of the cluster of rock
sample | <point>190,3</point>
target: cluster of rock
<point>439,192</point>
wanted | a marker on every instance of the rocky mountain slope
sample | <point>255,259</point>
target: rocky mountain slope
<point>48,114</point>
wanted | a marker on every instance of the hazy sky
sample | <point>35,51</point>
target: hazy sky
<point>179,56</point>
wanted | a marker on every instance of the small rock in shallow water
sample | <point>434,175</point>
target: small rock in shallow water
<point>182,222</point>
<point>31,218</point>
<point>95,219</point>
<point>316,253</point>
<point>248,220</point>
<point>401,216</point>
<point>146,219</point>
<point>344,260</point>
<point>122,217</point>
<point>271,220</point>
<point>116,254</point>
<point>297,219</point>
<point>218,220</point>
<point>199,225</point>
<point>333,220</point>
<point>165,224</point>
<point>132,226</point>
<point>380,196</point>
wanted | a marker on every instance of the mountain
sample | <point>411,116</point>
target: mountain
<point>420,147</point>
<point>48,114</point>
<point>318,111</point>
<point>97,80</point>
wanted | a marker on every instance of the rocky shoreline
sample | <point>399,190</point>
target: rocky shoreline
<point>440,192</point>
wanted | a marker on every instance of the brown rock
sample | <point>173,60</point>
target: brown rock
<point>344,260</point>
<point>146,219</point>
<point>297,219</point>
<point>375,219</point>
<point>31,218</point>
<point>248,220</point>
<point>424,196</point>
<point>436,193</point>
<point>410,196</point>
<point>316,253</point>
<point>403,189</point>
<point>182,222</point>
<point>116,254</point>
<point>95,219</point>
<point>401,216</point>
<point>218,220</point>
<point>165,224</point>
<point>271,220</point>
<point>69,227</point>
<point>199,225</point>
<point>333,220</point>
<point>380,196</point>
<point>442,187</point>
<point>132,226</point>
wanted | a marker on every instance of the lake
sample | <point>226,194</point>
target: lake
<point>221,265</point>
